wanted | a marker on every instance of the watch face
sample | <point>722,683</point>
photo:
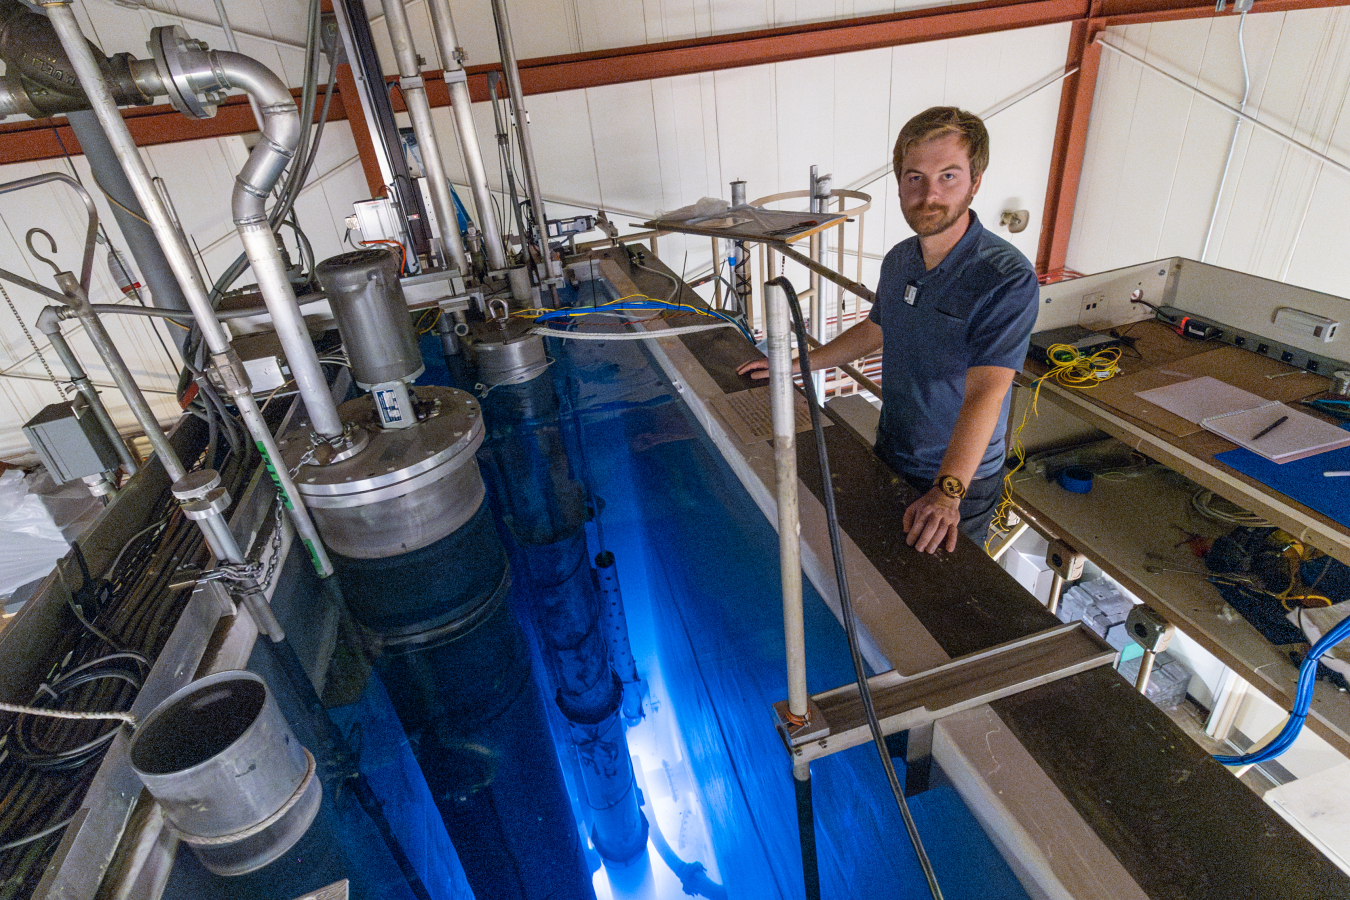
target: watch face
<point>952,486</point>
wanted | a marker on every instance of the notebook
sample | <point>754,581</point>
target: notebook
<point>1246,419</point>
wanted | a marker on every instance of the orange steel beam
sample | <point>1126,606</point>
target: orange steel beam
<point>1066,157</point>
<point>752,48</point>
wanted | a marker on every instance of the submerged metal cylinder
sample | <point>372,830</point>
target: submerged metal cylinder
<point>402,489</point>
<point>504,352</point>
<point>425,575</point>
<point>367,299</point>
<point>234,782</point>
<point>547,512</point>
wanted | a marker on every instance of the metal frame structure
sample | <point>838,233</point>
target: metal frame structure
<point>48,138</point>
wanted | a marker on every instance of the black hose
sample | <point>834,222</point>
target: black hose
<point>841,579</point>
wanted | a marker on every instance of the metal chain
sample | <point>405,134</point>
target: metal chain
<point>26,333</point>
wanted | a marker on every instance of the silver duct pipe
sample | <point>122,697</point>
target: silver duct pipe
<point>185,271</point>
<point>281,134</point>
<point>508,51</point>
<point>447,45</point>
<point>189,71</point>
<point>49,323</point>
<point>419,111</point>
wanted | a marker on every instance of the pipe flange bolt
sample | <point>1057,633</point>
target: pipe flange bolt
<point>185,69</point>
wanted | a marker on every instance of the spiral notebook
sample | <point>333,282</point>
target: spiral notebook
<point>1246,419</point>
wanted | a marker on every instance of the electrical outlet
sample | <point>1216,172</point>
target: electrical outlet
<point>1306,323</point>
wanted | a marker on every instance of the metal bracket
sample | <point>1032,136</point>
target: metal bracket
<point>903,702</point>
<point>230,372</point>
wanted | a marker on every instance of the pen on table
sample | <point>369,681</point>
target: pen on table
<point>1335,474</point>
<point>1269,428</point>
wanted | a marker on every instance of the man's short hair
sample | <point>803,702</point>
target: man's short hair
<point>940,120</point>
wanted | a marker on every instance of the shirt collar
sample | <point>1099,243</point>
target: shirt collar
<point>963,248</point>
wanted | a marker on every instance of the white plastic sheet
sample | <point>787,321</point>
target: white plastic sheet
<point>30,540</point>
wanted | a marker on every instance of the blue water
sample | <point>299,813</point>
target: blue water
<point>698,564</point>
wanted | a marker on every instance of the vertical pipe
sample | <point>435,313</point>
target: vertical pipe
<point>1145,671</point>
<point>548,516</point>
<point>616,627</point>
<point>447,45</point>
<point>49,323</point>
<point>139,235</point>
<point>121,374</point>
<point>513,87</point>
<point>180,260</point>
<point>806,830</point>
<point>785,472</point>
<point>419,111</point>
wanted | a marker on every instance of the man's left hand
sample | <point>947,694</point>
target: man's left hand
<point>932,521</point>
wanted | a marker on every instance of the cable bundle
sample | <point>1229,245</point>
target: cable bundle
<point>121,621</point>
<point>1070,369</point>
<point>1307,677</point>
<point>628,304</point>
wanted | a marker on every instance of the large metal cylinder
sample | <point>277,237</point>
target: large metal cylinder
<point>505,352</point>
<point>372,316</point>
<point>404,489</point>
<point>232,778</point>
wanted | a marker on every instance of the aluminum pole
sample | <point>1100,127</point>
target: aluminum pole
<point>447,45</point>
<point>419,111</point>
<point>785,471</point>
<point>180,260</point>
<point>49,323</point>
<point>78,300</point>
<point>513,87</point>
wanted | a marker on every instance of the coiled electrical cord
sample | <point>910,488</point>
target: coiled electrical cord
<point>845,599</point>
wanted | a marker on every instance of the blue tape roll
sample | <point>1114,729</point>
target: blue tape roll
<point>1075,479</point>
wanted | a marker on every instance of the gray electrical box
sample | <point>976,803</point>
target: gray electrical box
<point>71,443</point>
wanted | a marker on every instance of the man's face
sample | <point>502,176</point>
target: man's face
<point>935,185</point>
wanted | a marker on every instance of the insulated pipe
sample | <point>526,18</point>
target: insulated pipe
<point>419,111</point>
<point>785,471</point>
<point>49,323</point>
<point>140,237</point>
<point>185,271</point>
<point>447,45</point>
<point>512,70</point>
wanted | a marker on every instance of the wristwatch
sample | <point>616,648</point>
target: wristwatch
<point>950,485</point>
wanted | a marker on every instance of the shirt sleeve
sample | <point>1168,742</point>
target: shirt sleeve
<point>1001,331</point>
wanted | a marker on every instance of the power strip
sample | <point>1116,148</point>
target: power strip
<point>1209,330</point>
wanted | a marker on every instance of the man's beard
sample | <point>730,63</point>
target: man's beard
<point>931,219</point>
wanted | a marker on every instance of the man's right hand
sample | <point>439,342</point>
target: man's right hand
<point>757,369</point>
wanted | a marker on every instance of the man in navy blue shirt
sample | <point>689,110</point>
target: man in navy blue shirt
<point>954,310</point>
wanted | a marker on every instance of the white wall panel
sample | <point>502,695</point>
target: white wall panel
<point>1155,152</point>
<point>637,148</point>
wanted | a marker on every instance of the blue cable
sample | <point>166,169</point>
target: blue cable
<point>1307,678</point>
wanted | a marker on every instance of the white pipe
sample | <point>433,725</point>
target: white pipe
<point>447,45</point>
<point>1232,143</point>
<point>419,111</point>
<point>785,471</point>
<point>179,256</point>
